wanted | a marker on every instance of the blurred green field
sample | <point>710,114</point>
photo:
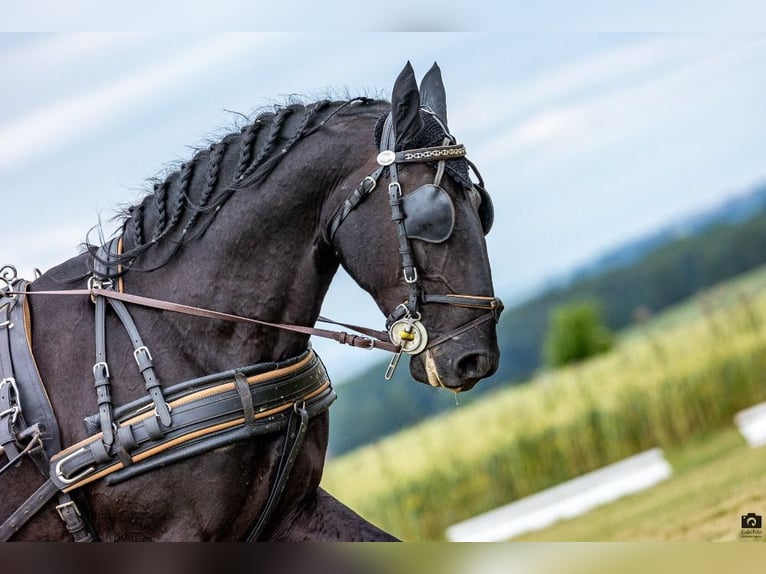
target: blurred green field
<point>677,377</point>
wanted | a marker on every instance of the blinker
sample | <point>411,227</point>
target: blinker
<point>486,208</point>
<point>429,214</point>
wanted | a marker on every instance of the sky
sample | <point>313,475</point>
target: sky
<point>585,140</point>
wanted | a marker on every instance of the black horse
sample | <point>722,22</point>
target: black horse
<point>256,226</point>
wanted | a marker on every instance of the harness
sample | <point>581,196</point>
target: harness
<point>202,414</point>
<point>192,417</point>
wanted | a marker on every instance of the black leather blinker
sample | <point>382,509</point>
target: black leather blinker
<point>429,214</point>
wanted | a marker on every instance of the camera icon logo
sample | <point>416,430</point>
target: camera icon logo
<point>752,520</point>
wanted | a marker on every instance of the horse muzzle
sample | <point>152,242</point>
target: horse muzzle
<point>459,362</point>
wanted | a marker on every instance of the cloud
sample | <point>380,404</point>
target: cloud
<point>601,70</point>
<point>54,126</point>
<point>57,49</point>
<point>586,124</point>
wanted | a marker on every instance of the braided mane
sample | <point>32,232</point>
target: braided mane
<point>178,205</point>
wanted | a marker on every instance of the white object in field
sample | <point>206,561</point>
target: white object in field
<point>566,500</point>
<point>752,424</point>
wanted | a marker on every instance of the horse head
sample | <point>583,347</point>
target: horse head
<point>412,235</point>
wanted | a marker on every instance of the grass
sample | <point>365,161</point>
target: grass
<point>717,479</point>
<point>679,376</point>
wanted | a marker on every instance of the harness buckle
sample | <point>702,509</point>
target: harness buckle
<point>98,283</point>
<point>60,508</point>
<point>13,396</point>
<point>138,351</point>
<point>373,183</point>
<point>104,372</point>
<point>413,279</point>
<point>60,475</point>
<point>167,406</point>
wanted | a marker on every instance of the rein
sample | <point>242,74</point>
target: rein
<point>369,340</point>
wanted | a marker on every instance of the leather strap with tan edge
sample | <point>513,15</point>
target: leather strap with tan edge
<point>205,411</point>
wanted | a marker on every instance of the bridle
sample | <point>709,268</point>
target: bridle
<point>425,214</point>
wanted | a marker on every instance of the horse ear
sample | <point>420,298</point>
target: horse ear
<point>432,93</point>
<point>405,107</point>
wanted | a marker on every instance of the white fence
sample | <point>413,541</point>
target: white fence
<point>752,424</point>
<point>566,500</point>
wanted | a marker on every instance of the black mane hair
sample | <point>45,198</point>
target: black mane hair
<point>181,207</point>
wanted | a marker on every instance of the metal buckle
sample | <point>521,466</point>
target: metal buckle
<point>373,184</point>
<point>14,410</point>
<point>98,283</point>
<point>142,349</point>
<point>104,366</point>
<point>167,405</point>
<point>60,509</point>
<point>413,279</point>
<point>83,474</point>
<point>12,382</point>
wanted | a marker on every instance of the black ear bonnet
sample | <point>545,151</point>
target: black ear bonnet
<point>432,135</point>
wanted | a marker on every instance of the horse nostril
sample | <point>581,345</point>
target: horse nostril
<point>474,365</point>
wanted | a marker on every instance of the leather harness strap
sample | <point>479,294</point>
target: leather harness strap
<point>363,342</point>
<point>101,373</point>
<point>25,387</point>
<point>104,268</point>
<point>296,430</point>
<point>208,413</point>
<point>197,413</point>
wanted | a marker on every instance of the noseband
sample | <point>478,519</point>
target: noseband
<point>426,214</point>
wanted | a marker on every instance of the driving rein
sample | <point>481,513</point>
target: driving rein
<point>196,416</point>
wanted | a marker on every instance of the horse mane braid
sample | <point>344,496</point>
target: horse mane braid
<point>155,211</point>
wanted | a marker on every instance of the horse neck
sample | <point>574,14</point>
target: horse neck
<point>262,256</point>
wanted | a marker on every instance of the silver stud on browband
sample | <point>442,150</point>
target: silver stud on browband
<point>386,157</point>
